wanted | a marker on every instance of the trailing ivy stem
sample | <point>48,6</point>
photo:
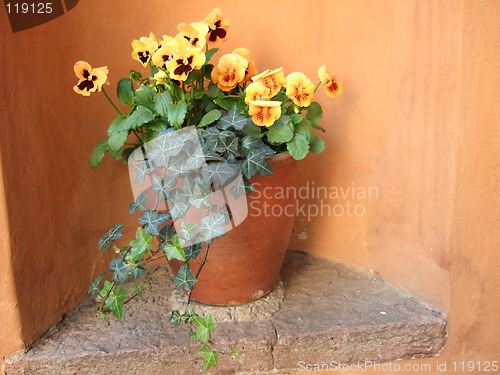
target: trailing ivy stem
<point>198,273</point>
<point>112,103</point>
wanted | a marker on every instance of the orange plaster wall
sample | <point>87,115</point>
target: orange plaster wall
<point>399,127</point>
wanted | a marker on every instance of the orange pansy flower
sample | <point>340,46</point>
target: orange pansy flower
<point>264,113</point>
<point>274,80</point>
<point>300,89</point>
<point>217,25</point>
<point>230,71</point>
<point>252,68</point>
<point>256,91</point>
<point>90,80</point>
<point>333,87</point>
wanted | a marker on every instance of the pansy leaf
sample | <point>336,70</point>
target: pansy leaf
<point>184,278</point>
<point>280,132</point>
<point>115,301</point>
<point>145,96</point>
<point>174,250</point>
<point>163,100</point>
<point>95,286</point>
<point>317,145</point>
<point>305,128</point>
<point>212,226</point>
<point>298,147</point>
<point>112,234</point>
<point>117,134</point>
<point>209,54</point>
<point>139,203</point>
<point>253,130</point>
<point>209,357</point>
<point>120,270</point>
<point>204,326</point>
<point>234,120</point>
<point>139,117</point>
<point>125,91</point>
<point>256,163</point>
<point>176,113</point>
<point>140,246</point>
<point>98,153</point>
<point>152,220</point>
<point>210,118</point>
<point>141,170</point>
<point>314,113</point>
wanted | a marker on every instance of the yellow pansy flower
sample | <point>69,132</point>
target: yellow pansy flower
<point>256,91</point>
<point>333,87</point>
<point>230,71</point>
<point>195,33</point>
<point>274,80</point>
<point>160,77</point>
<point>300,89</point>
<point>144,48</point>
<point>185,59</point>
<point>90,80</point>
<point>217,25</point>
<point>264,113</point>
<point>164,53</point>
<point>252,68</point>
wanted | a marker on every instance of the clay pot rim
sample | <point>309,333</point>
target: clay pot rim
<point>280,159</point>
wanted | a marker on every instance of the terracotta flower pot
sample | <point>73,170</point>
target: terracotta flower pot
<point>244,265</point>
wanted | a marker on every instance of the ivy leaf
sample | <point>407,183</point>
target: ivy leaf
<point>95,286</point>
<point>209,357</point>
<point>305,128</point>
<point>298,147</point>
<point>139,203</point>
<point>235,355</point>
<point>139,117</point>
<point>234,120</point>
<point>211,226</point>
<point>162,185</point>
<point>280,132</point>
<point>152,220</point>
<point>176,113</point>
<point>175,317</point>
<point>314,113</point>
<point>163,101</point>
<point>125,91</point>
<point>203,328</point>
<point>112,234</point>
<point>167,145</point>
<point>115,300</point>
<point>140,245</point>
<point>174,250</point>
<point>317,145</point>
<point>253,130</point>
<point>98,153</point>
<point>219,172</point>
<point>184,278</point>
<point>209,118</point>
<point>201,197</point>
<point>141,170</point>
<point>192,251</point>
<point>104,291</point>
<point>145,96</point>
<point>256,163</point>
<point>117,134</point>
<point>187,230</point>
<point>120,270</point>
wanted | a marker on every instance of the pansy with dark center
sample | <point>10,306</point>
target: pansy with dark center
<point>218,26</point>
<point>90,80</point>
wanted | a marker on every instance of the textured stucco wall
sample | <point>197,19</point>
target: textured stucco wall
<point>410,124</point>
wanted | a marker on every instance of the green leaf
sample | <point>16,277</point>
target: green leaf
<point>139,117</point>
<point>139,246</point>
<point>138,289</point>
<point>280,131</point>
<point>112,234</point>
<point>209,54</point>
<point>98,153</point>
<point>209,357</point>
<point>296,118</point>
<point>317,145</point>
<point>203,328</point>
<point>256,163</point>
<point>104,291</point>
<point>115,300</point>
<point>117,134</point>
<point>184,278</point>
<point>139,203</point>
<point>95,286</point>
<point>145,96</point>
<point>120,270</point>
<point>104,317</point>
<point>235,355</point>
<point>314,113</point>
<point>174,250</point>
<point>212,226</point>
<point>192,251</point>
<point>187,229</point>
<point>175,317</point>
<point>253,130</point>
<point>304,128</point>
<point>152,220</point>
<point>209,118</point>
<point>298,147</point>
<point>163,100</point>
<point>176,113</point>
<point>125,91</point>
<point>234,120</point>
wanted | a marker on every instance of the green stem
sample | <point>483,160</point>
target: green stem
<point>317,87</point>
<point>112,103</point>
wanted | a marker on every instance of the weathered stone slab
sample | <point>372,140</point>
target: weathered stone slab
<point>330,313</point>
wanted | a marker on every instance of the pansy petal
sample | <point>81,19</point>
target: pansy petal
<point>82,69</point>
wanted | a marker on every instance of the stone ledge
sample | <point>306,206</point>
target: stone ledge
<point>330,312</point>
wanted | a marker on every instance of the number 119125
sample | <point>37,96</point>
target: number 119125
<point>33,8</point>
